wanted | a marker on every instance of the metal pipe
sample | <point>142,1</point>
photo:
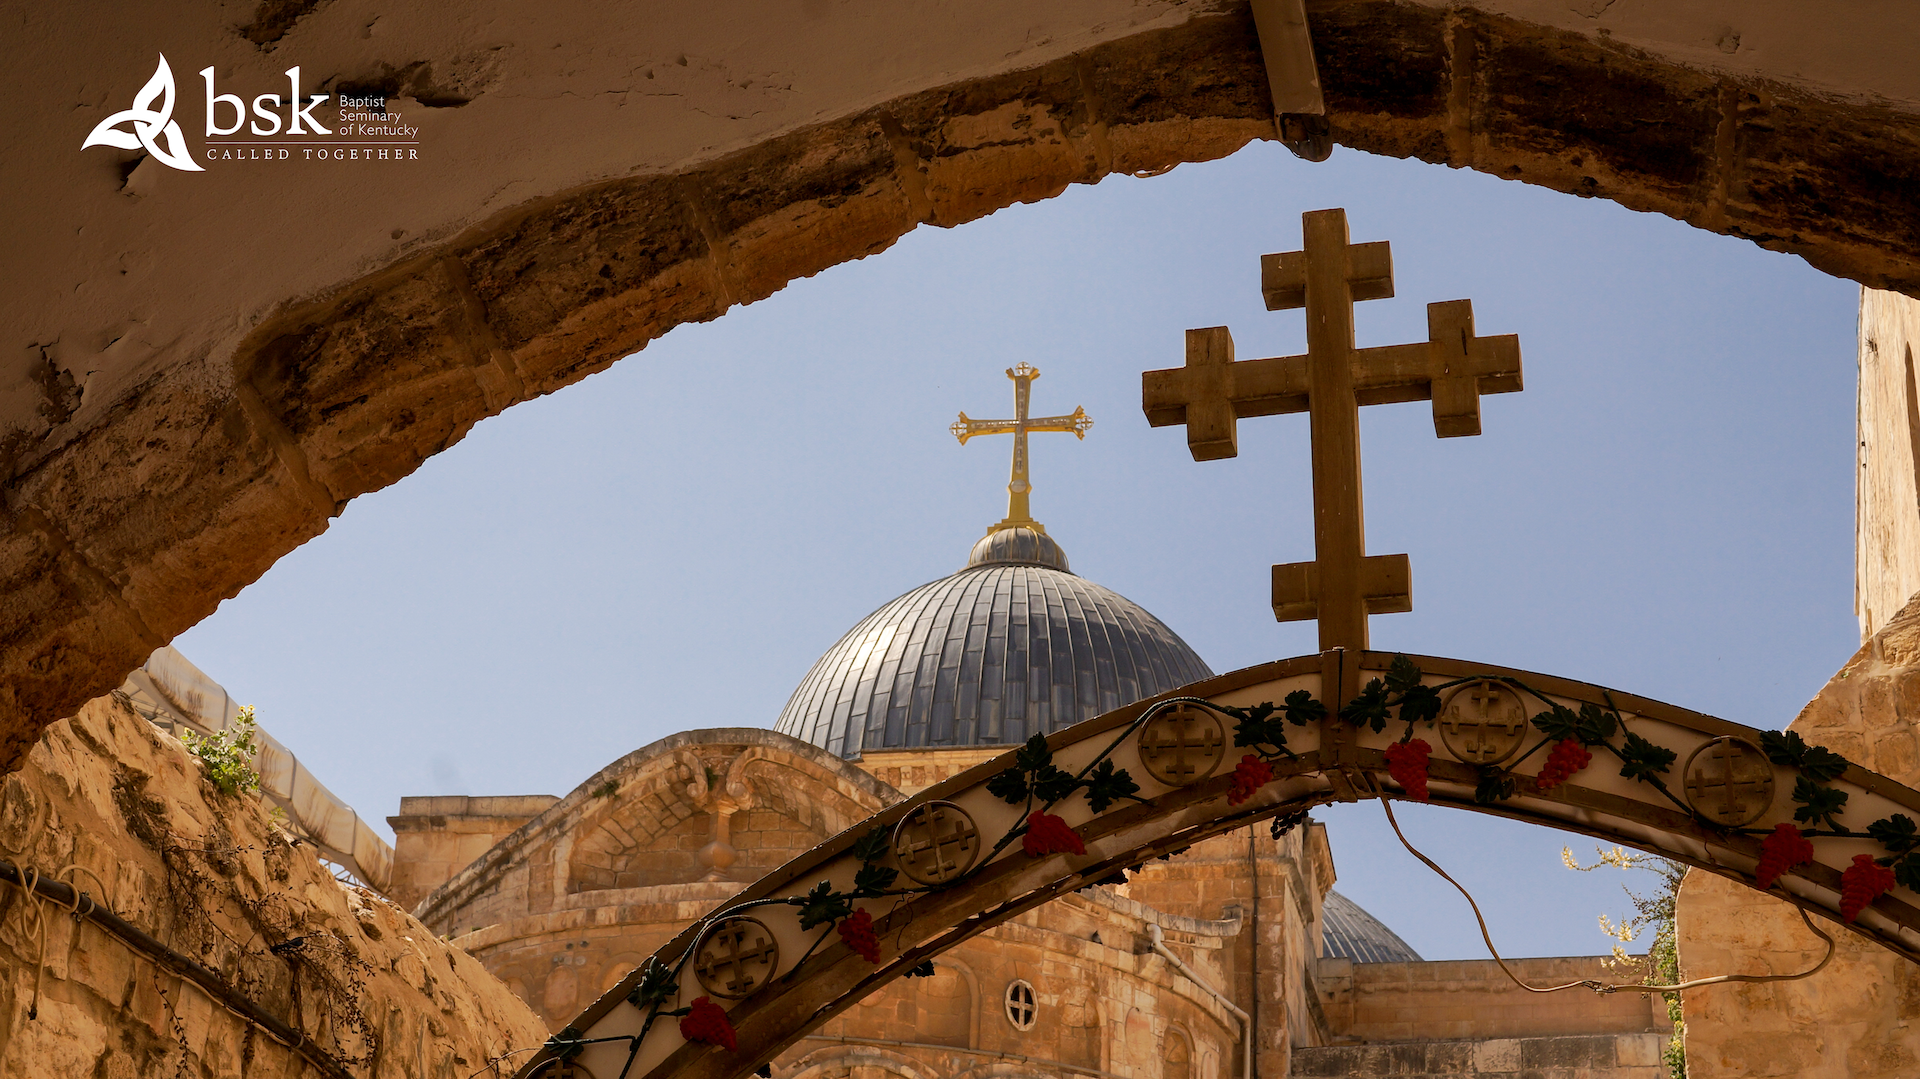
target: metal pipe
<point>70,899</point>
<point>1246,1021</point>
<point>1253,948</point>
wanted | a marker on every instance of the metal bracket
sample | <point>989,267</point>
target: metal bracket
<point>1286,46</point>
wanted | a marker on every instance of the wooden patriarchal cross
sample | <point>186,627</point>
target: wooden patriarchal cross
<point>1343,584</point>
<point>1019,514</point>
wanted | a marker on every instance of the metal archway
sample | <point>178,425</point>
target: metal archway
<point>954,860</point>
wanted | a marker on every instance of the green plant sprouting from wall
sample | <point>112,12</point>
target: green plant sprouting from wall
<point>1652,913</point>
<point>228,755</point>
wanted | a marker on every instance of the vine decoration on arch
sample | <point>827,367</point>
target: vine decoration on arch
<point>1034,781</point>
<point>1572,734</point>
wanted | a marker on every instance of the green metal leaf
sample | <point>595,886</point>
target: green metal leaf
<point>874,879</point>
<point>1495,785</point>
<point>1107,785</point>
<point>1402,675</point>
<point>823,906</point>
<point>873,846</point>
<point>1897,833</point>
<point>1558,723</point>
<point>1817,803</point>
<point>1368,708</point>
<point>656,985</point>
<point>1050,784</point>
<point>1303,708</point>
<point>1596,725</point>
<point>1421,704</point>
<point>1816,762</point>
<point>1907,873</point>
<point>1034,755</point>
<point>1643,760</point>
<point>1009,786</point>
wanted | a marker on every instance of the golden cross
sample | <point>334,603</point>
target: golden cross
<point>1019,486</point>
<point>1343,584</point>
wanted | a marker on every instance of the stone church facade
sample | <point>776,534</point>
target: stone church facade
<point>1233,958</point>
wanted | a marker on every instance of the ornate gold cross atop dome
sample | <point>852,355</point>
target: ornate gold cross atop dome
<point>1019,486</point>
<point>1343,584</point>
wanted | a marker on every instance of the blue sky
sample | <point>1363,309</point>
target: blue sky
<point>1666,509</point>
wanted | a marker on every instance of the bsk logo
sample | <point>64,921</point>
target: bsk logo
<point>153,129</point>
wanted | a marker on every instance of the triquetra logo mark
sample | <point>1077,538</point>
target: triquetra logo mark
<point>155,130</point>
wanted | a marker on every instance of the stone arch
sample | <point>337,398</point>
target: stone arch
<point>940,1010</point>
<point>244,449</point>
<point>790,802</point>
<point>615,967</point>
<point>1007,1069</point>
<point>975,1002</point>
<point>637,799</point>
<point>1209,1063</point>
<point>844,1061</point>
<point>1177,1052</point>
<point>1326,760</point>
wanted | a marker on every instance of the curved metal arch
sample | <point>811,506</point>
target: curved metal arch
<point>1333,761</point>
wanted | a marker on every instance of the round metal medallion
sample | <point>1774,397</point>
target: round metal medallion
<point>736,957</point>
<point>1729,781</point>
<point>1483,722</point>
<point>562,1069</point>
<point>1182,746</point>
<point>936,842</point>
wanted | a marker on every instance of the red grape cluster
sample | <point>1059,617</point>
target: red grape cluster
<point>1863,882</point>
<point>1407,764</point>
<point>1048,834</point>
<point>1249,775</point>
<point>707,1022</point>
<point>1783,849</point>
<point>857,930</point>
<point>1565,758</point>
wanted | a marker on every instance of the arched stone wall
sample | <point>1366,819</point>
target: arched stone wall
<point>863,1061</point>
<point>130,514</point>
<point>585,841</point>
<point>777,806</point>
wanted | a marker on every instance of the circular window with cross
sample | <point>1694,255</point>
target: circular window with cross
<point>1021,1009</point>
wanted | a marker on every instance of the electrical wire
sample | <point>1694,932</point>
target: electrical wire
<point>1590,983</point>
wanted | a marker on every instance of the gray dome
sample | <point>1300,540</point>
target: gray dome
<point>1348,932</point>
<point>989,656</point>
<point>1017,544</point>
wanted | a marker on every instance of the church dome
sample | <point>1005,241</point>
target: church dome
<point>1011,645</point>
<point>1347,931</point>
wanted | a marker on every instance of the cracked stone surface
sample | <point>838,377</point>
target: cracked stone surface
<point>209,875</point>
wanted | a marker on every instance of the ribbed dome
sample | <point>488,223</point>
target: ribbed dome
<point>988,656</point>
<point>1018,545</point>
<point>1349,932</point>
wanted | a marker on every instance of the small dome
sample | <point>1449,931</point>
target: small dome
<point>1017,545</point>
<point>1010,646</point>
<point>1348,932</point>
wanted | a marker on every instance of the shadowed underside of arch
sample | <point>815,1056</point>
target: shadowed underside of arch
<point>119,536</point>
<point>1662,779</point>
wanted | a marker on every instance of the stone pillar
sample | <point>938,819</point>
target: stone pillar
<point>436,837</point>
<point>1887,516</point>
